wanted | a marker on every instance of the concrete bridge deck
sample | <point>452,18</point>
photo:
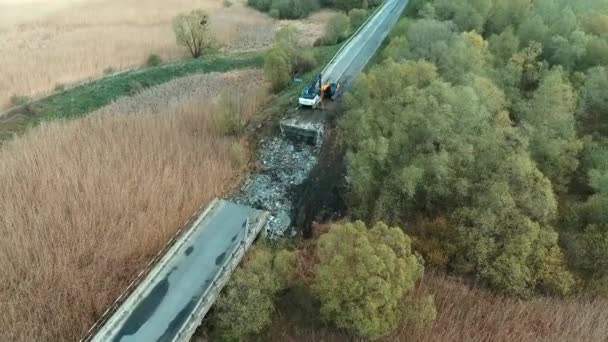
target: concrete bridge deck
<point>172,299</point>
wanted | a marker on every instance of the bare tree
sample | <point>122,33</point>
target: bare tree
<point>192,31</point>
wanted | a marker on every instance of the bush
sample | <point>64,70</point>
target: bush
<point>365,278</point>
<point>304,61</point>
<point>20,100</point>
<point>246,306</point>
<point>277,69</point>
<point>357,16</point>
<point>109,71</point>
<point>135,87</point>
<point>153,60</point>
<point>260,5</point>
<point>285,9</point>
<point>228,117</point>
<point>274,13</point>
<point>338,29</point>
<point>227,3</point>
<point>238,155</point>
<point>294,9</point>
<point>59,87</point>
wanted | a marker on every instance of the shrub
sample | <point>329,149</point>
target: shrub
<point>260,5</point>
<point>228,117</point>
<point>337,29</point>
<point>59,87</point>
<point>304,61</point>
<point>277,69</point>
<point>153,60</point>
<point>238,155</point>
<point>227,3</point>
<point>247,304</point>
<point>20,100</point>
<point>365,279</point>
<point>135,87</point>
<point>285,9</point>
<point>357,17</point>
<point>274,13</point>
<point>109,71</point>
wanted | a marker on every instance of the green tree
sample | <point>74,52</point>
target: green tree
<point>506,13</point>
<point>365,278</point>
<point>277,69</point>
<point>597,52</point>
<point>337,29</point>
<point>586,227</point>
<point>533,29</point>
<point>504,45</point>
<point>549,123</point>
<point>430,39</point>
<point>357,16</point>
<point>192,31</point>
<point>417,144</point>
<point>246,305</point>
<point>593,105</point>
<point>286,58</point>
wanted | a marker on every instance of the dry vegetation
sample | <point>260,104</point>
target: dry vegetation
<point>470,314</point>
<point>87,202</point>
<point>48,43</point>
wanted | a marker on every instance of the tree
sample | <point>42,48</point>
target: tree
<point>192,31</point>
<point>533,29</point>
<point>550,125</point>
<point>594,101</point>
<point>286,58</point>
<point>277,68</point>
<point>506,13</point>
<point>357,16</point>
<point>337,29</point>
<point>246,305</point>
<point>365,278</point>
<point>418,145</point>
<point>504,45</point>
<point>430,39</point>
<point>586,228</point>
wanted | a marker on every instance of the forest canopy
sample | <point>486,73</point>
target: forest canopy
<point>486,125</point>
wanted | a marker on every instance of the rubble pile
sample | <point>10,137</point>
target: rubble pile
<point>283,165</point>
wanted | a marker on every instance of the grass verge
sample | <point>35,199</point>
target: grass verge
<point>93,95</point>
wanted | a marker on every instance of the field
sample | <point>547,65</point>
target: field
<point>46,44</point>
<point>465,313</point>
<point>88,202</point>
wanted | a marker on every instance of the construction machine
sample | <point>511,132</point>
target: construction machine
<point>313,94</point>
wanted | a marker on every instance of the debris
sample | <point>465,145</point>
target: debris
<point>284,165</point>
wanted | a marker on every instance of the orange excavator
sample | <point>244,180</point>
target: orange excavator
<point>314,94</point>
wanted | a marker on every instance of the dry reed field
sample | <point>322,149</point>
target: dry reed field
<point>466,314</point>
<point>44,44</point>
<point>86,203</point>
<point>70,40</point>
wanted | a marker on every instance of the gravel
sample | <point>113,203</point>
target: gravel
<point>284,165</point>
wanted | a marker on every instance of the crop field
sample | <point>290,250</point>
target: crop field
<point>47,44</point>
<point>88,202</point>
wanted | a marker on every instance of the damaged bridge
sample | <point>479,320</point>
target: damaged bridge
<point>348,62</point>
<point>169,298</point>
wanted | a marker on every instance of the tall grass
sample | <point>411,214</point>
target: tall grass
<point>86,203</point>
<point>465,313</point>
<point>46,43</point>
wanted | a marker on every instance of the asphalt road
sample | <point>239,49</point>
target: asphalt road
<point>162,305</point>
